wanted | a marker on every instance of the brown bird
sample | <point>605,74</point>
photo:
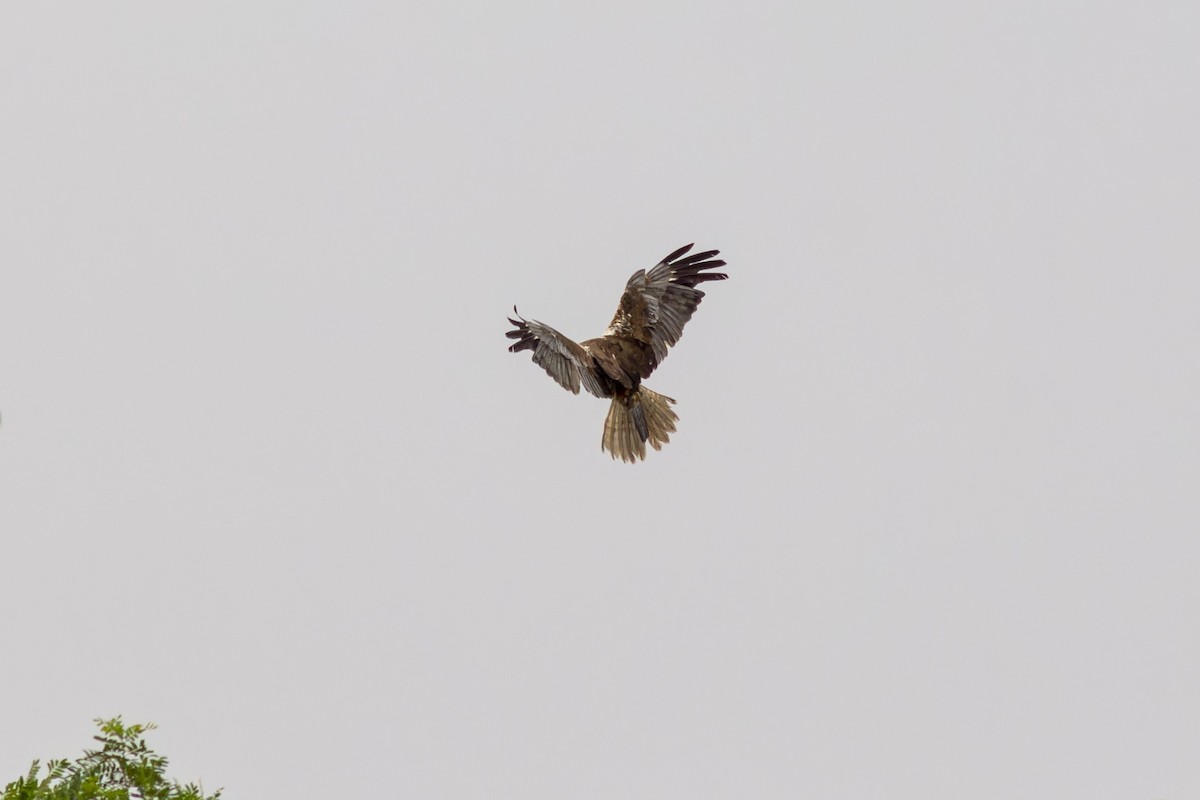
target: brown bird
<point>649,320</point>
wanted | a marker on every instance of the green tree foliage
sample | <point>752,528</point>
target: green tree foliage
<point>124,768</point>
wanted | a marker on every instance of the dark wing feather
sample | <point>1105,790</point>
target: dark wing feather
<point>657,304</point>
<point>564,360</point>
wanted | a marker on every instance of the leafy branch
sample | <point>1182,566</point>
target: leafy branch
<point>124,768</point>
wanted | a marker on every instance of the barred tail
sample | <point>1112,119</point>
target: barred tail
<point>635,419</point>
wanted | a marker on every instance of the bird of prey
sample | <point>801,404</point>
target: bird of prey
<point>653,310</point>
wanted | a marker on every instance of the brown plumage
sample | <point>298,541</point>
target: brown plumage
<point>649,320</point>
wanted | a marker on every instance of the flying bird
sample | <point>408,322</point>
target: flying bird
<point>650,317</point>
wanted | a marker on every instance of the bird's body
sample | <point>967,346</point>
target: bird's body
<point>654,308</point>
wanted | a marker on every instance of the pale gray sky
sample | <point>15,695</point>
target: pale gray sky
<point>269,478</point>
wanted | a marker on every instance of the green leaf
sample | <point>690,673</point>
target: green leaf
<point>124,768</point>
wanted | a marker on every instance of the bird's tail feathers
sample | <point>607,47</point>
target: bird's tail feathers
<point>635,419</point>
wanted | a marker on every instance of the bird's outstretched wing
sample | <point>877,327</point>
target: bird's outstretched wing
<point>659,302</point>
<point>564,360</point>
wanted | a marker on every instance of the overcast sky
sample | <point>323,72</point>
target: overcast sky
<point>269,478</point>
